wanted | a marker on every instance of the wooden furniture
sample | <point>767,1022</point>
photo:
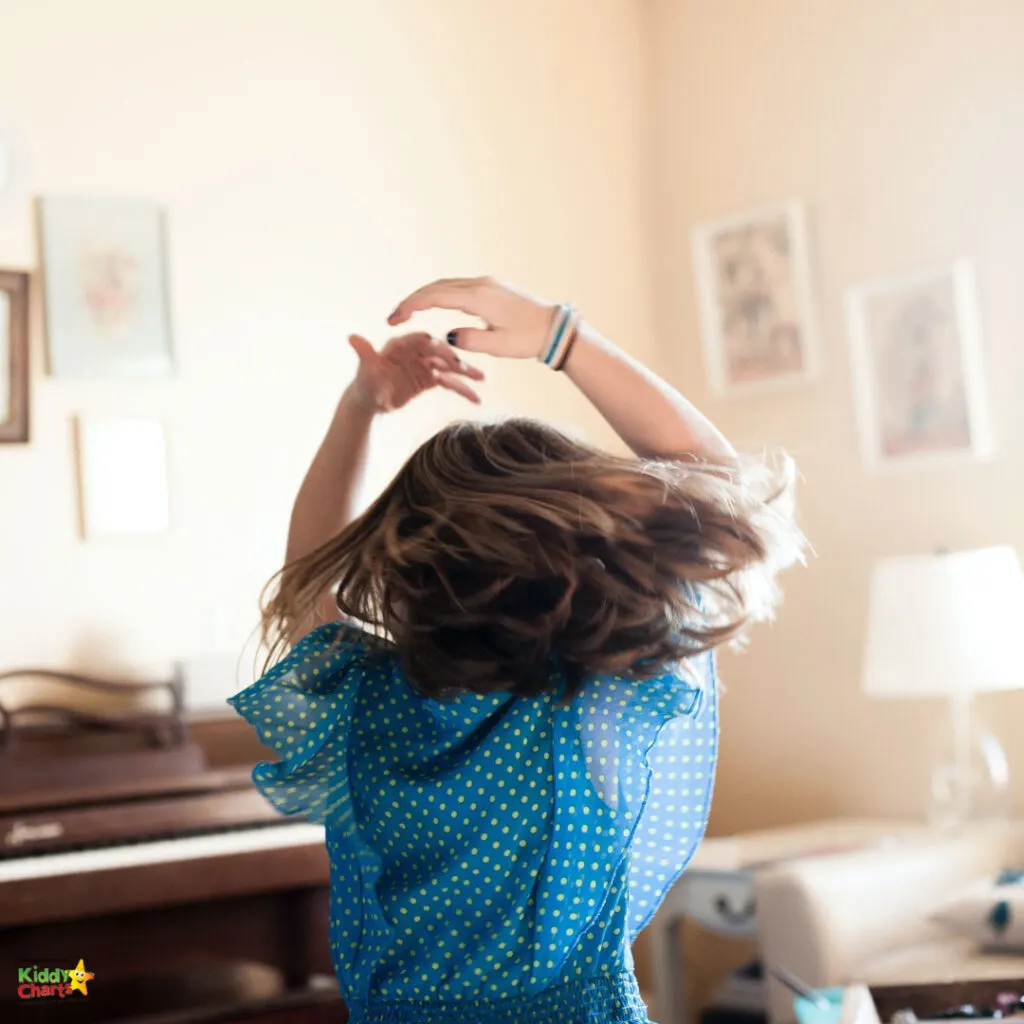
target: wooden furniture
<point>927,1000</point>
<point>14,309</point>
<point>138,843</point>
<point>928,1003</point>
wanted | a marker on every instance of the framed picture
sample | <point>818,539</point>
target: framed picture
<point>13,356</point>
<point>917,365</point>
<point>122,478</point>
<point>754,300</point>
<point>105,287</point>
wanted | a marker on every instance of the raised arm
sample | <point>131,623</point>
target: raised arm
<point>386,380</point>
<point>650,416</point>
<point>326,500</point>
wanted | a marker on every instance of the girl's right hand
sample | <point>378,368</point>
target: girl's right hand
<point>517,324</point>
<point>406,367</point>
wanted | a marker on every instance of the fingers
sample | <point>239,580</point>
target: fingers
<point>461,294</point>
<point>446,357</point>
<point>418,339</point>
<point>446,353</point>
<point>365,350</point>
<point>472,339</point>
<point>458,367</point>
<point>362,348</point>
<point>421,361</point>
<point>453,383</point>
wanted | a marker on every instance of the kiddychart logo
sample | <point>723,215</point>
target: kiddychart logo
<point>53,982</point>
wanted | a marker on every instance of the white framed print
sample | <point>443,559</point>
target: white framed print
<point>105,293</point>
<point>755,300</point>
<point>122,477</point>
<point>918,373</point>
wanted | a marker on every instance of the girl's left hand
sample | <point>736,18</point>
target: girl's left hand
<point>407,366</point>
<point>516,323</point>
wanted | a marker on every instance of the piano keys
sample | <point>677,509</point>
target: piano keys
<point>139,843</point>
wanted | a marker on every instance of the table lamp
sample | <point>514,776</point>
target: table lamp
<point>950,625</point>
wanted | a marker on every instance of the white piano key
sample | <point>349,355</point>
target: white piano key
<point>161,851</point>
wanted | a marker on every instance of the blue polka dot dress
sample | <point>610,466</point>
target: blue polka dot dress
<point>492,857</point>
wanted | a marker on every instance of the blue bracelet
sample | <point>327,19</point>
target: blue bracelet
<point>558,332</point>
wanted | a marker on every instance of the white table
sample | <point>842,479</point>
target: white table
<point>717,892</point>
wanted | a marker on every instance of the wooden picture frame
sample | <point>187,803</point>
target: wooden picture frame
<point>14,357</point>
<point>755,300</point>
<point>918,370</point>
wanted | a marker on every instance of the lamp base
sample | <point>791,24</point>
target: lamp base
<point>970,783</point>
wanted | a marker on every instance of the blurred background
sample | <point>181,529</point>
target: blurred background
<point>316,160</point>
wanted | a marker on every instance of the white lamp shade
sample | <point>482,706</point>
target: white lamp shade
<point>945,624</point>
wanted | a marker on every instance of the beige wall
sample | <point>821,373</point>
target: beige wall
<point>902,126</point>
<point>319,159</point>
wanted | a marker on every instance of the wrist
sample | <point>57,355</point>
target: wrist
<point>560,337</point>
<point>586,342</point>
<point>547,316</point>
<point>356,400</point>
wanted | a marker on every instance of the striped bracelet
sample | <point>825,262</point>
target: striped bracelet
<point>570,340</point>
<point>561,336</point>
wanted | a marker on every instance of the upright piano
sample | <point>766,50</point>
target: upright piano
<point>137,844</point>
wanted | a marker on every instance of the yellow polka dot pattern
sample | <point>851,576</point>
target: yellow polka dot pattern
<point>485,849</point>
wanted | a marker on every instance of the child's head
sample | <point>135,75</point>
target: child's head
<point>498,547</point>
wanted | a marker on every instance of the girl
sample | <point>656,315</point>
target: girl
<point>500,700</point>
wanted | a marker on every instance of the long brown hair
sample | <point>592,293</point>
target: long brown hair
<point>499,548</point>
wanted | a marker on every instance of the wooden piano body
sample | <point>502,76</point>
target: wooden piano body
<point>139,845</point>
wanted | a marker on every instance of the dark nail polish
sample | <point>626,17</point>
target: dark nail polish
<point>452,338</point>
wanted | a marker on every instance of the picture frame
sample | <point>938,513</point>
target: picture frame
<point>122,477</point>
<point>105,287</point>
<point>755,300</point>
<point>918,369</point>
<point>14,357</point>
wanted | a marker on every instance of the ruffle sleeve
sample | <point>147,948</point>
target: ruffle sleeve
<point>301,710</point>
<point>669,743</point>
<point>635,763</point>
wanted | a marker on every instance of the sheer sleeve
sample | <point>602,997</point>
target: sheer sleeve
<point>677,726</point>
<point>301,710</point>
<point>635,764</point>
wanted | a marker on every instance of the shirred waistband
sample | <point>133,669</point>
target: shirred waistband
<point>606,999</point>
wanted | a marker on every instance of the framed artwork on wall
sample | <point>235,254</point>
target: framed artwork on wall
<point>755,300</point>
<point>919,381</point>
<point>14,391</point>
<point>123,485</point>
<point>105,287</point>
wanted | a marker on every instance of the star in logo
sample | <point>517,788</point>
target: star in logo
<point>80,978</point>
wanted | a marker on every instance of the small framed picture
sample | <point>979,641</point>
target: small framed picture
<point>918,370</point>
<point>105,287</point>
<point>122,478</point>
<point>13,357</point>
<point>755,302</point>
